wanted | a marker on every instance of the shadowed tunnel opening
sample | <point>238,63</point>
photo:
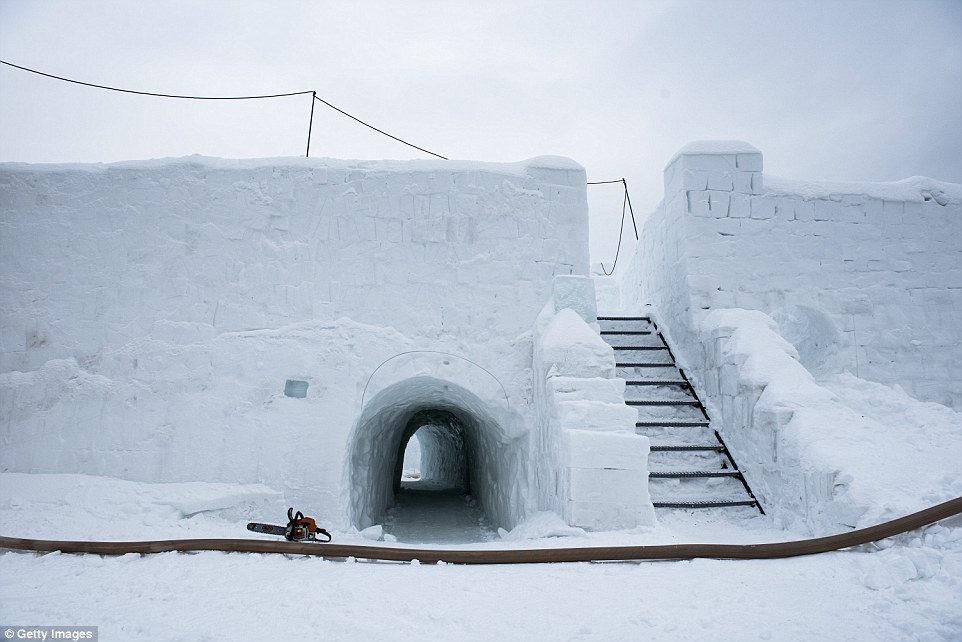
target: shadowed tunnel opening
<point>467,458</point>
<point>443,461</point>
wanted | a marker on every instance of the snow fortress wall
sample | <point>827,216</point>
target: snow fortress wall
<point>266,321</point>
<point>863,277</point>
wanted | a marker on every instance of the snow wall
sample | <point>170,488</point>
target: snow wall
<point>763,282</point>
<point>859,276</point>
<point>284,321</point>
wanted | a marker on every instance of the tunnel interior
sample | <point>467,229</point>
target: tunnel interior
<point>443,460</point>
<point>465,450</point>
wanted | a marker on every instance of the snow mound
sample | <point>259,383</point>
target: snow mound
<point>898,454</point>
<point>40,505</point>
<point>540,525</point>
<point>838,451</point>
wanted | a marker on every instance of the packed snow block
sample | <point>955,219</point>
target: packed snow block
<point>596,415</point>
<point>598,516</point>
<point>616,486</point>
<point>569,347</point>
<point>718,203</point>
<point>742,182</point>
<point>699,203</point>
<point>695,180</point>
<point>763,208</point>
<point>614,450</point>
<point>576,293</point>
<point>741,205</point>
<point>720,181</point>
<point>582,388</point>
<point>722,163</point>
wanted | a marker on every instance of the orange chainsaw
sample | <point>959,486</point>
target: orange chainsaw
<point>298,529</point>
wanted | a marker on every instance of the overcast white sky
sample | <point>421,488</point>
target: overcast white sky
<point>838,90</point>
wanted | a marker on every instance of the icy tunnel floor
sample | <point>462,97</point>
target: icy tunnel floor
<point>425,515</point>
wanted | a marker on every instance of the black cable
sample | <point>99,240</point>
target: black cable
<point>380,131</point>
<point>149,93</point>
<point>293,93</point>
<point>621,231</point>
<point>630,209</point>
<point>310,126</point>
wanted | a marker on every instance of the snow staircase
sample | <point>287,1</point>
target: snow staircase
<point>691,467</point>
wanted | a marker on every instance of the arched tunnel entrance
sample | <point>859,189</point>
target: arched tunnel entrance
<point>471,459</point>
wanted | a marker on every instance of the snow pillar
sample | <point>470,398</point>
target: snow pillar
<point>712,173</point>
<point>710,186</point>
<point>601,474</point>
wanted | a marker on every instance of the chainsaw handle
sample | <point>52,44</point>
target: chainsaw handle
<point>298,525</point>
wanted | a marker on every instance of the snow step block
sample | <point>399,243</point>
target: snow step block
<point>664,402</point>
<point>686,474</point>
<point>669,423</point>
<point>644,365</point>
<point>706,503</point>
<point>624,318</point>
<point>688,448</point>
<point>659,382</point>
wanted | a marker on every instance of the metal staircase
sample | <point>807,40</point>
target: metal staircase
<point>690,465</point>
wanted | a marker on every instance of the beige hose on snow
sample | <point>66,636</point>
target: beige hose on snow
<point>517,556</point>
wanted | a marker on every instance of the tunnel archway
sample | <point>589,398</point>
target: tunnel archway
<point>444,458</point>
<point>467,443</point>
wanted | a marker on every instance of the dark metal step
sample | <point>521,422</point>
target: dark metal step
<point>685,474</point>
<point>706,503</point>
<point>623,327</point>
<point>688,448</point>
<point>627,332</point>
<point>671,423</point>
<point>639,348</point>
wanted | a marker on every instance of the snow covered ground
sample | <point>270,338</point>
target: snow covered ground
<point>901,593</point>
<point>908,591</point>
<point>907,588</point>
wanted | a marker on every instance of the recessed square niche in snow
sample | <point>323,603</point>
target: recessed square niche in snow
<point>295,388</point>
